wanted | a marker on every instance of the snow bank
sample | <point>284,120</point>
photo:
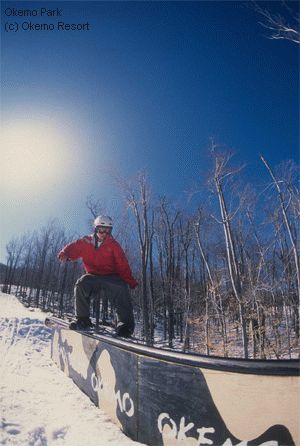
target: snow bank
<point>39,405</point>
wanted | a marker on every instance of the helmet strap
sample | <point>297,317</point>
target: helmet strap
<point>96,239</point>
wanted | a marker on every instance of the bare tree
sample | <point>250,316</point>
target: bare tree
<point>137,196</point>
<point>213,291</point>
<point>168,249</point>
<point>14,250</point>
<point>186,234</point>
<point>44,243</point>
<point>285,203</point>
<point>221,173</point>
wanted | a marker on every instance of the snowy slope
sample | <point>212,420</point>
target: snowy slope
<point>39,405</point>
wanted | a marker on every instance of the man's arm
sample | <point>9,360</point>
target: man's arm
<point>123,267</point>
<point>72,251</point>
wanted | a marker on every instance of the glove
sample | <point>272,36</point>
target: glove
<point>62,256</point>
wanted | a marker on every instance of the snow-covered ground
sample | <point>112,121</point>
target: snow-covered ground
<point>39,405</point>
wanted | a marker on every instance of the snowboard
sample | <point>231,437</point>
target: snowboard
<point>54,322</point>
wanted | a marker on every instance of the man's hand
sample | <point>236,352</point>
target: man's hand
<point>62,256</point>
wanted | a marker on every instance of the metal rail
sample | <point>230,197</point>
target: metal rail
<point>289,367</point>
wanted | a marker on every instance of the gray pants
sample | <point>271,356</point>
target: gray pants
<point>113,287</point>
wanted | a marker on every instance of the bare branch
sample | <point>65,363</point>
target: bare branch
<point>281,28</point>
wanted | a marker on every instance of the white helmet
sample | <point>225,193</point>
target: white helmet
<point>103,221</point>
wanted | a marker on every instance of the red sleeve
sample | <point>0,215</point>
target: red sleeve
<point>123,267</point>
<point>73,250</point>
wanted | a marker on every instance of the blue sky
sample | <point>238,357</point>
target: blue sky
<point>144,88</point>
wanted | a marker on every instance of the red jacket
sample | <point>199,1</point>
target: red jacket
<point>108,258</point>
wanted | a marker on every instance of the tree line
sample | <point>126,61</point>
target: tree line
<point>221,279</point>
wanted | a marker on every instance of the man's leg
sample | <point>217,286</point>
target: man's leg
<point>118,293</point>
<point>83,289</point>
<point>124,310</point>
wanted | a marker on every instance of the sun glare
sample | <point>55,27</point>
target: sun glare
<point>34,156</point>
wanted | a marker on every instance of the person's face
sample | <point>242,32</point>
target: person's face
<point>102,233</point>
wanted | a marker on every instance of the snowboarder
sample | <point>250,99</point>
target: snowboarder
<point>106,269</point>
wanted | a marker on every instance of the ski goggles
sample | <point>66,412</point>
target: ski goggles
<point>102,229</point>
